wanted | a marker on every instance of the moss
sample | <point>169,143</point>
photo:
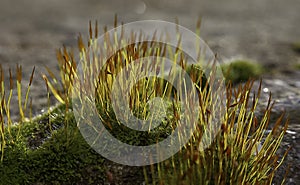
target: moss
<point>296,47</point>
<point>241,71</point>
<point>63,158</point>
<point>297,66</point>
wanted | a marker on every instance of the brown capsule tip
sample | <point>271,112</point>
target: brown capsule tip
<point>96,29</point>
<point>90,29</point>
<point>11,83</point>
<point>19,73</point>
<point>31,77</point>
<point>116,21</point>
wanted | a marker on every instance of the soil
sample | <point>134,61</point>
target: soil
<point>264,31</point>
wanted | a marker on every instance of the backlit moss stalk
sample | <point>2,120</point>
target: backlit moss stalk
<point>19,90</point>
<point>7,107</point>
<point>2,129</point>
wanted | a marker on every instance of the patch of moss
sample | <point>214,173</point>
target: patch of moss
<point>241,71</point>
<point>296,47</point>
<point>63,158</point>
<point>297,66</point>
<point>143,138</point>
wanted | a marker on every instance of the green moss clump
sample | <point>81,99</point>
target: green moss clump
<point>63,158</point>
<point>241,71</point>
<point>296,47</point>
<point>297,66</point>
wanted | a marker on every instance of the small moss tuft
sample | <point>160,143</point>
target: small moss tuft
<point>296,47</point>
<point>297,66</point>
<point>241,70</point>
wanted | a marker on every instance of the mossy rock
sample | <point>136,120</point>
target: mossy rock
<point>241,71</point>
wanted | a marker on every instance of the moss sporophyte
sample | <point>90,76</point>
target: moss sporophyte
<point>51,149</point>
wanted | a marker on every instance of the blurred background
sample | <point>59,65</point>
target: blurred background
<point>262,30</point>
<point>266,31</point>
